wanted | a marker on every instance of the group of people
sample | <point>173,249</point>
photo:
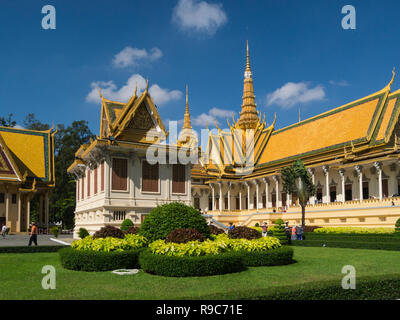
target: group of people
<point>33,233</point>
<point>296,232</point>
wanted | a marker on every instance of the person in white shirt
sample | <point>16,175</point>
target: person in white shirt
<point>3,231</point>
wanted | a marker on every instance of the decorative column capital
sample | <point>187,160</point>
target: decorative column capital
<point>325,169</point>
<point>358,169</point>
<point>275,178</point>
<point>378,165</point>
<point>341,173</point>
<point>265,180</point>
<point>255,182</point>
<point>311,171</point>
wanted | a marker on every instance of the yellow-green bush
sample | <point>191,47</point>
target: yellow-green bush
<point>353,230</point>
<point>130,241</point>
<point>221,243</point>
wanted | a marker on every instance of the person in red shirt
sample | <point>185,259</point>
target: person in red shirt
<point>33,234</point>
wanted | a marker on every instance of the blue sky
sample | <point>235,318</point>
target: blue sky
<point>299,53</point>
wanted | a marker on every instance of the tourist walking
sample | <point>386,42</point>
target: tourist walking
<point>264,229</point>
<point>299,232</point>
<point>294,233</point>
<point>3,231</point>
<point>33,234</point>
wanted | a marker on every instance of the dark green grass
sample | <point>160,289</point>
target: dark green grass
<point>20,277</point>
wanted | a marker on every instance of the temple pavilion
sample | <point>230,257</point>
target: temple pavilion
<point>351,153</point>
<point>26,170</point>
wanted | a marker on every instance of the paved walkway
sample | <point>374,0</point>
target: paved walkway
<point>43,240</point>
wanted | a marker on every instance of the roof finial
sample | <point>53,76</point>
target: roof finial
<point>147,86</point>
<point>135,88</point>
<point>101,96</point>
<point>186,121</point>
<point>394,73</point>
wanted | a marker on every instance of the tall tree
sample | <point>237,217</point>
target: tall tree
<point>8,121</point>
<point>32,123</point>
<point>296,179</point>
<point>67,142</point>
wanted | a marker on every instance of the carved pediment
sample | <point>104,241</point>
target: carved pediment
<point>141,119</point>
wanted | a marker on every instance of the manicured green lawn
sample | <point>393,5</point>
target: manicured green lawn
<point>20,276</point>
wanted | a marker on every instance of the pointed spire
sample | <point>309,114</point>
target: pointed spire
<point>186,122</point>
<point>248,116</point>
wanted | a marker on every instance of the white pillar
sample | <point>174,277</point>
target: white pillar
<point>229,195</point>
<point>266,192</point>
<point>28,211</point>
<point>220,196</point>
<point>19,211</point>
<point>341,173</point>
<point>326,173</point>
<point>7,206</point>
<point>276,179</point>
<point>248,195</point>
<point>360,177</point>
<point>213,196</point>
<point>256,184</point>
<point>311,171</point>
<point>240,196</point>
<point>378,166</point>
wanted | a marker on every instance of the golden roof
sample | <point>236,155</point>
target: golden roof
<point>29,153</point>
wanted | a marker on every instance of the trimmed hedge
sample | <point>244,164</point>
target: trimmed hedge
<point>274,257</point>
<point>31,249</point>
<point>208,265</point>
<point>87,260</point>
<point>165,218</point>
<point>367,288</point>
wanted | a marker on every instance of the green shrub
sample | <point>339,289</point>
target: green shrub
<point>31,249</point>
<point>189,266</point>
<point>278,231</point>
<point>278,222</point>
<point>55,231</point>
<point>275,257</point>
<point>243,233</point>
<point>83,233</point>
<point>212,247</point>
<point>183,235</point>
<point>126,224</point>
<point>109,231</point>
<point>87,260</point>
<point>131,241</point>
<point>353,230</point>
<point>165,218</point>
<point>215,230</point>
<point>132,230</point>
<point>397,226</point>
<point>257,224</point>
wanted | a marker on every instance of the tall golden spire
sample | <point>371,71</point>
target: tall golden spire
<point>186,121</point>
<point>248,116</point>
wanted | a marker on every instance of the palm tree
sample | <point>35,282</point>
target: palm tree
<point>296,179</point>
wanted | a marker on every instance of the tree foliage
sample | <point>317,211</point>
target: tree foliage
<point>8,121</point>
<point>296,179</point>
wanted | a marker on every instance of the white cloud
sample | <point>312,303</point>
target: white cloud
<point>110,91</point>
<point>292,93</point>
<point>200,16</point>
<point>132,56</point>
<point>340,83</point>
<point>211,117</point>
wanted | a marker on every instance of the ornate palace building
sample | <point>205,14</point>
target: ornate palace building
<point>114,179</point>
<point>351,152</point>
<point>26,170</point>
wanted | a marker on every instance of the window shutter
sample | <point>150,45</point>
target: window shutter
<point>178,178</point>
<point>150,177</point>
<point>119,176</point>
